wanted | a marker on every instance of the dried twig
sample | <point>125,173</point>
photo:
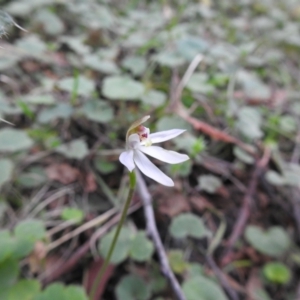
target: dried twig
<point>245,210</point>
<point>2,120</point>
<point>35,199</point>
<point>177,107</point>
<point>63,267</point>
<point>295,200</point>
<point>153,232</point>
<point>60,193</point>
<point>222,278</point>
<point>61,226</point>
<point>188,73</point>
<point>296,153</point>
<point>92,223</point>
<point>177,87</point>
<point>213,132</point>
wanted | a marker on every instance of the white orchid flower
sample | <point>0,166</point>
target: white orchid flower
<point>139,142</point>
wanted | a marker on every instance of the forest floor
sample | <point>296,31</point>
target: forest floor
<point>75,74</point>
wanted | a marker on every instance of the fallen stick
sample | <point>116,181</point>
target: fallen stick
<point>213,132</point>
<point>246,208</point>
<point>153,233</point>
<point>222,279</point>
<point>68,265</point>
<point>177,107</point>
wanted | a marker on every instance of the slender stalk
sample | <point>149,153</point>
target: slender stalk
<point>75,88</point>
<point>114,241</point>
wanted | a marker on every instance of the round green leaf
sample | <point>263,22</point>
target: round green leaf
<point>4,292</point>
<point>25,288</point>
<point>122,88</point>
<point>6,245</point>
<point>198,84</point>
<point>14,247</point>
<point>77,44</point>
<point>122,247</point>
<point>102,65</point>
<point>171,122</point>
<point>249,122</point>
<point>183,169</point>
<point>53,291</point>
<point>154,98</point>
<point>169,59</point>
<point>243,155</point>
<point>273,242</point>
<point>8,61</point>
<point>82,85</point>
<point>141,248</point>
<point>275,178</point>
<point>72,214</point>
<point>253,87</point>
<point>291,173</point>
<point>209,183</point>
<point>98,111</point>
<point>32,230</point>
<point>6,167</point>
<point>195,269</point>
<point>33,178</point>
<point>52,24</point>
<point>260,294</point>
<point>201,288</point>
<point>8,108</point>
<point>104,166</point>
<point>132,287</point>
<point>288,124</point>
<point>177,262</point>
<point>9,271</point>
<point>190,143</point>
<point>12,140</point>
<point>157,282</point>
<point>135,39</point>
<point>77,149</point>
<point>277,272</point>
<point>32,44</point>
<point>135,64</point>
<point>190,46</point>
<point>188,224</point>
<point>21,247</point>
<point>73,292</point>
<point>61,110</point>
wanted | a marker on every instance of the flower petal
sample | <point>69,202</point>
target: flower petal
<point>162,136</point>
<point>170,157</point>
<point>126,158</point>
<point>150,170</point>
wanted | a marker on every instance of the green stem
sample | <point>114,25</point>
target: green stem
<point>75,88</point>
<point>114,241</point>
